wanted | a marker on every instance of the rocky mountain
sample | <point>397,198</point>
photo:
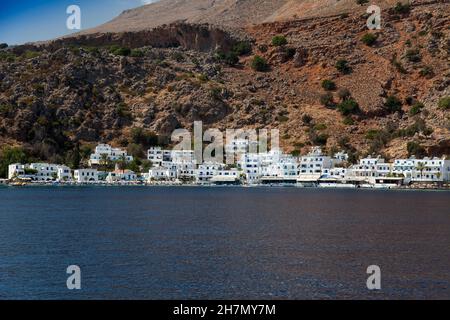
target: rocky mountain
<point>325,80</point>
<point>227,13</point>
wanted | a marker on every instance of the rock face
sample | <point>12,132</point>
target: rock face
<point>80,91</point>
<point>229,13</point>
<point>199,37</point>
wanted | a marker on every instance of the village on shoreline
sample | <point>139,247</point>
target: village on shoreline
<point>271,168</point>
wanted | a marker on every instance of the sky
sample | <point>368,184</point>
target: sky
<point>24,21</point>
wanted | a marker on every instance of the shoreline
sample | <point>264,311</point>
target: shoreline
<point>174,185</point>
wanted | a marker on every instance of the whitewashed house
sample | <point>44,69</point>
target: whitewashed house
<point>156,155</point>
<point>207,170</point>
<point>183,156</point>
<point>15,170</point>
<point>45,171</point>
<point>371,167</point>
<point>239,147</point>
<point>119,175</point>
<point>223,176</point>
<point>112,154</point>
<point>86,175</point>
<point>186,171</point>
<point>423,170</point>
<point>314,162</point>
<point>341,156</point>
<point>64,173</point>
<point>158,173</point>
<point>250,166</point>
<point>336,172</point>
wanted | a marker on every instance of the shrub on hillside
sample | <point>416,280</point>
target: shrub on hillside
<point>279,41</point>
<point>415,149</point>
<point>242,48</point>
<point>369,39</point>
<point>258,63</point>
<point>401,8</point>
<point>328,85</point>
<point>327,100</point>
<point>416,108</point>
<point>413,55</point>
<point>343,67</point>
<point>393,104</point>
<point>348,107</point>
<point>444,103</point>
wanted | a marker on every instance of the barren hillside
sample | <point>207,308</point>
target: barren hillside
<point>230,13</point>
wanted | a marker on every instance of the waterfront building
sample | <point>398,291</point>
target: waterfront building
<point>44,171</point>
<point>86,175</point>
<point>105,151</point>
<point>186,171</point>
<point>422,170</point>
<point>63,173</point>
<point>231,176</point>
<point>15,170</point>
<point>158,173</point>
<point>207,170</point>
<point>121,175</point>
<point>336,172</point>
<point>313,163</point>
<point>238,147</point>
<point>371,167</point>
<point>250,165</point>
<point>156,155</point>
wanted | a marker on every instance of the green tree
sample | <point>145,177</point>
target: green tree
<point>122,163</point>
<point>421,167</point>
<point>10,155</point>
<point>104,161</point>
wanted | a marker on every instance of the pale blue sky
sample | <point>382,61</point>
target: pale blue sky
<point>33,20</point>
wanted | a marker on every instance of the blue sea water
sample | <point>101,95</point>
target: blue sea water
<point>223,243</point>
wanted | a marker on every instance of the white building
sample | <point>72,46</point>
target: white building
<point>186,171</point>
<point>313,163</point>
<point>112,154</point>
<point>251,168</point>
<point>206,171</point>
<point>341,156</point>
<point>160,157</point>
<point>86,175</point>
<point>238,147</point>
<point>156,155</point>
<point>158,173</point>
<point>44,171</point>
<point>15,170</point>
<point>226,176</point>
<point>119,175</point>
<point>64,173</point>
<point>422,170</point>
<point>371,167</point>
<point>336,172</point>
